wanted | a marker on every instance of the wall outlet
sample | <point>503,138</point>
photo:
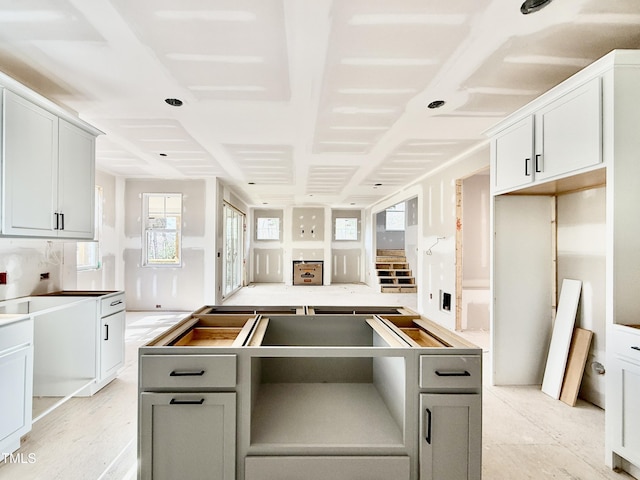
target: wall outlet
<point>44,276</point>
<point>158,306</point>
<point>3,278</point>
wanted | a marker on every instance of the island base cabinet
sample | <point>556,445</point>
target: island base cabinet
<point>329,467</point>
<point>190,436</point>
<point>450,437</point>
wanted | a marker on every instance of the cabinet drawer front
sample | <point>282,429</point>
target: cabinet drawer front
<point>17,333</point>
<point>626,342</point>
<point>330,467</point>
<point>187,371</point>
<point>450,371</point>
<point>112,304</point>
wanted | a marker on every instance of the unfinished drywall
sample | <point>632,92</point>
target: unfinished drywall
<point>307,224</point>
<point>581,255</point>
<point>267,265</point>
<point>385,239</point>
<point>24,260</point>
<point>185,287</point>
<point>104,277</point>
<point>438,246</point>
<point>346,255</point>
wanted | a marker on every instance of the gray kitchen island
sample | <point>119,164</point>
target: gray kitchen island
<point>298,392</point>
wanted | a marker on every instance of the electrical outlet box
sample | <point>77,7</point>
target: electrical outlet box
<point>44,276</point>
<point>3,278</point>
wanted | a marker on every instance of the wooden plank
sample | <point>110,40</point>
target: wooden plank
<point>561,337</point>
<point>578,353</point>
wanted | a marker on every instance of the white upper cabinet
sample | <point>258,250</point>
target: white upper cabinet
<point>569,132</point>
<point>29,176</point>
<point>512,154</point>
<point>552,138</point>
<point>76,182</point>
<point>48,171</point>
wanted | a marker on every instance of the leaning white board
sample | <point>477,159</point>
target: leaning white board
<point>561,337</point>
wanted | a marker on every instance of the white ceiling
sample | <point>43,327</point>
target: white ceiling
<point>300,101</point>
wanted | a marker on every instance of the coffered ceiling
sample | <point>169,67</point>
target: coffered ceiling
<point>300,101</point>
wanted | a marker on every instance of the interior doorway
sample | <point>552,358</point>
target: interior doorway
<point>473,295</point>
<point>396,247</point>
<point>234,226</point>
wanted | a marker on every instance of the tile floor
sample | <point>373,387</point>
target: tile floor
<point>526,434</point>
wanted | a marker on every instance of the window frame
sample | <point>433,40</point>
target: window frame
<point>356,220</point>
<point>398,208</point>
<point>258,229</point>
<point>91,248</point>
<point>148,229</point>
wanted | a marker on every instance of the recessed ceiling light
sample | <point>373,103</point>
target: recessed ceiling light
<point>387,62</point>
<point>162,154</point>
<point>174,102</point>
<point>377,184</point>
<point>530,6</point>
<point>436,104</point>
<point>198,57</point>
<point>252,183</point>
<point>406,19</point>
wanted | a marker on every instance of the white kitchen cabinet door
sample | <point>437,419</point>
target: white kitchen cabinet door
<point>188,436</point>
<point>512,155</point>
<point>76,182</point>
<point>569,132</point>
<point>450,436</point>
<point>30,177</point>
<point>15,396</point>
<point>624,407</point>
<point>112,344</point>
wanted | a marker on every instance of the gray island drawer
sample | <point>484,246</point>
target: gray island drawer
<point>187,371</point>
<point>450,371</point>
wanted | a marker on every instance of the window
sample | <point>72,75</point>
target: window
<point>395,218</point>
<point>267,228</point>
<point>346,229</point>
<point>88,253</point>
<point>162,213</point>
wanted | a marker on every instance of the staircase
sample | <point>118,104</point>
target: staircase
<point>394,274</point>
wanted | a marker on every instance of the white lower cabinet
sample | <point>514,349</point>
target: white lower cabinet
<point>450,431</point>
<point>189,436</point>
<point>112,345</point>
<point>16,371</point>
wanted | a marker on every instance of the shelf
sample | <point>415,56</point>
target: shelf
<point>322,414</point>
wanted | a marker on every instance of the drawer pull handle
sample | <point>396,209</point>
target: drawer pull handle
<point>427,422</point>
<point>453,374</point>
<point>636,348</point>
<point>198,373</point>
<point>186,402</point>
<point>116,302</point>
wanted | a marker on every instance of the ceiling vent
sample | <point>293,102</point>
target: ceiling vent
<point>530,6</point>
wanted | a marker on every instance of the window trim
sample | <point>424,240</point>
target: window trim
<point>146,230</point>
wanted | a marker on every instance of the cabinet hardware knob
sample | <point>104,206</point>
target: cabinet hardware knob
<point>57,227</point>
<point>527,161</point>
<point>187,374</point>
<point>115,302</point>
<point>62,221</point>
<point>106,331</point>
<point>464,373</point>
<point>186,402</point>
<point>427,422</point>
<point>635,348</point>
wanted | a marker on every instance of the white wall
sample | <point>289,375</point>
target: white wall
<point>439,219</point>
<point>581,255</point>
<point>172,288</point>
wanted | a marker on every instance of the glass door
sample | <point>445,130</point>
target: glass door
<point>234,223</point>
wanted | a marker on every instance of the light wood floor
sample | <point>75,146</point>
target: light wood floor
<point>526,434</point>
